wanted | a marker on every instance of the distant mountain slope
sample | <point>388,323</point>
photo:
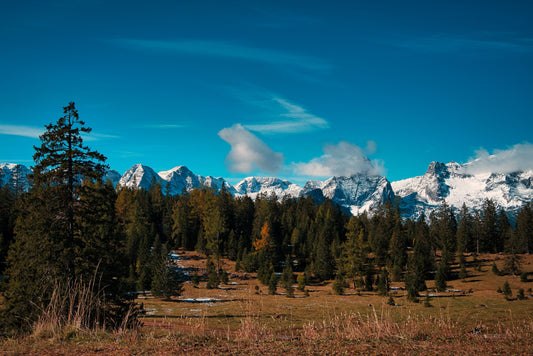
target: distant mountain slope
<point>14,175</point>
<point>359,193</point>
<point>454,184</point>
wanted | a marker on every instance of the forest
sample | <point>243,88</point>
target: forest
<point>73,229</point>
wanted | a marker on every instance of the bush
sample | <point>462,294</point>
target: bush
<point>427,301</point>
<point>223,276</point>
<point>391,301</point>
<point>195,279</point>
<point>301,280</point>
<point>273,283</point>
<point>396,273</point>
<point>495,269</point>
<point>523,277</point>
<point>506,290</point>
<point>338,285</point>
<point>520,295</point>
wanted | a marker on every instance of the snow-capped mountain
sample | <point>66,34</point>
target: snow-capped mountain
<point>180,179</point>
<point>455,184</point>
<point>14,175</point>
<point>139,176</point>
<point>254,186</point>
<point>452,182</point>
<point>176,180</point>
<point>359,193</point>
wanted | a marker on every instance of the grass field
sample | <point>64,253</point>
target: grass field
<point>241,318</point>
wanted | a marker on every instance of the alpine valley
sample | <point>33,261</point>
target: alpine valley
<point>452,183</point>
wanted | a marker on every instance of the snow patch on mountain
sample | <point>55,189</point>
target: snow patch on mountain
<point>254,186</point>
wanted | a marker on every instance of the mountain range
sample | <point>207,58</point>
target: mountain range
<point>452,183</point>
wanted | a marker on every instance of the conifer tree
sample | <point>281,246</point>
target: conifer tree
<point>524,228</point>
<point>167,280</point>
<point>489,227</point>
<point>354,251</point>
<point>383,282</point>
<point>63,235</point>
<point>287,278</point>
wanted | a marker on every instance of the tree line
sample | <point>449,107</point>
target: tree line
<point>72,225</point>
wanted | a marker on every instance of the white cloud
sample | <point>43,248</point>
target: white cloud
<point>248,152</point>
<point>17,130</point>
<point>344,159</point>
<point>517,158</point>
<point>226,50</point>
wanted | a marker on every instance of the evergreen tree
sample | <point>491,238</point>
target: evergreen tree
<point>512,263</point>
<point>7,219</point>
<point>489,227</point>
<point>443,271</point>
<point>506,290</point>
<point>464,232</point>
<point>63,236</point>
<point>383,282</point>
<point>167,281</point>
<point>354,251</point>
<point>287,278</point>
<point>398,251</point>
<point>212,275</point>
<point>420,262</point>
<point>273,283</point>
<point>338,284</point>
<point>524,228</point>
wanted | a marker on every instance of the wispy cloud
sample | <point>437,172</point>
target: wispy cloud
<point>447,43</point>
<point>283,116</point>
<point>226,50</point>
<point>34,132</point>
<point>516,158</point>
<point>248,152</point>
<point>343,159</point>
<point>299,120</point>
<point>164,126</point>
<point>20,130</point>
<point>94,136</point>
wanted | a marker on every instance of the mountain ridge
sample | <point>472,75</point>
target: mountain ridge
<point>442,182</point>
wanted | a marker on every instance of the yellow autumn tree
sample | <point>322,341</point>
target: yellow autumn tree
<point>263,242</point>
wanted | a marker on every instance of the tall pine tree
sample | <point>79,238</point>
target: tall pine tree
<point>65,235</point>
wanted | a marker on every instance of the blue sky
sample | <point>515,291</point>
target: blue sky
<point>294,89</point>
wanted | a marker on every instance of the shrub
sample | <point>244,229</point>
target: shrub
<point>391,301</point>
<point>338,285</point>
<point>520,295</point>
<point>273,283</point>
<point>495,269</point>
<point>523,277</point>
<point>301,280</point>
<point>506,290</point>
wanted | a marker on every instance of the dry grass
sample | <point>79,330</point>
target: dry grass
<point>479,321</point>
